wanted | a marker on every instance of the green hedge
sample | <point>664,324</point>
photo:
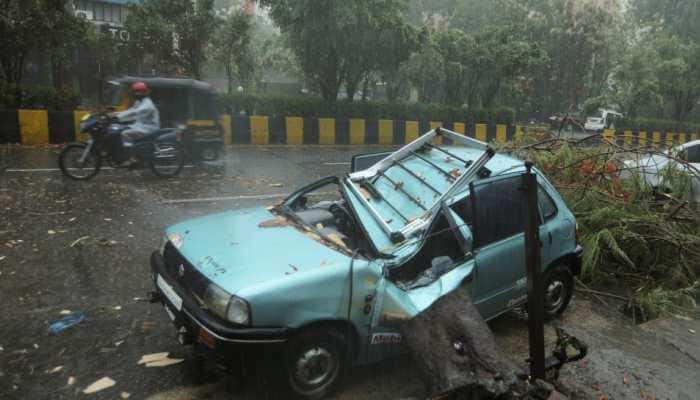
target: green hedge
<point>658,125</point>
<point>35,96</point>
<point>274,106</point>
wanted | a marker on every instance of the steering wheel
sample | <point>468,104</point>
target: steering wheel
<point>341,216</point>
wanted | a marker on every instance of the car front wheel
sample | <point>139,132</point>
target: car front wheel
<point>558,284</point>
<point>315,363</point>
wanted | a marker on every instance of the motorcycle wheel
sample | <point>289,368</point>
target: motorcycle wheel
<point>167,159</point>
<point>69,162</point>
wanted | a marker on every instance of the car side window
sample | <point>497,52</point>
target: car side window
<point>549,209</point>
<point>500,211</point>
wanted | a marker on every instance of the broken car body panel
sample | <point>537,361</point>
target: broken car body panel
<point>400,237</point>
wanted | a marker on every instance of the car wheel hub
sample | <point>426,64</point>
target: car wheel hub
<point>555,295</point>
<point>314,366</point>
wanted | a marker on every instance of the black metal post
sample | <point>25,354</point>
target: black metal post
<point>535,292</point>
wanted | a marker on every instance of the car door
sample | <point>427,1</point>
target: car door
<point>396,303</point>
<point>497,208</point>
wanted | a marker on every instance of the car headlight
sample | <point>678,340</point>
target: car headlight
<point>238,311</point>
<point>226,306</point>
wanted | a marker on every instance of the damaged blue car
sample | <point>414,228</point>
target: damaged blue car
<point>324,280</point>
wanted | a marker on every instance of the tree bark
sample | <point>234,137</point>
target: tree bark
<point>457,355</point>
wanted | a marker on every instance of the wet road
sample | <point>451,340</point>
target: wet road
<point>84,246</point>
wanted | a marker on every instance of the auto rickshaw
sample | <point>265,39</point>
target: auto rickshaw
<point>183,103</point>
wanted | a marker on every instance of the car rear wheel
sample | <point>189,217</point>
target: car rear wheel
<point>315,363</point>
<point>558,284</point>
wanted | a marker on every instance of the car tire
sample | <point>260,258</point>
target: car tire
<point>315,363</point>
<point>558,285</point>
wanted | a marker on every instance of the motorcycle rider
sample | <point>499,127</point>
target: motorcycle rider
<point>142,116</point>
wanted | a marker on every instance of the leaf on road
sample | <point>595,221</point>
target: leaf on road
<point>79,240</point>
<point>165,362</point>
<point>55,369</point>
<point>100,384</point>
<point>153,357</point>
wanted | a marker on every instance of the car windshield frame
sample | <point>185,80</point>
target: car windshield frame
<point>285,209</point>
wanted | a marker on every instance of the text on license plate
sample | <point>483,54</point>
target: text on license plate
<point>169,292</point>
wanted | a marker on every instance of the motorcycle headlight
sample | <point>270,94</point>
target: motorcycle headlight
<point>231,308</point>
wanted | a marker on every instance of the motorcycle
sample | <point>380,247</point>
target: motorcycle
<point>162,150</point>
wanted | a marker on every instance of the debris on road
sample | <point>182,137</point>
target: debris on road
<point>456,352</point>
<point>159,360</point>
<point>51,232</point>
<point>124,395</point>
<point>276,185</point>
<point>66,322</point>
<point>65,312</point>
<point>71,381</point>
<point>55,369</point>
<point>99,385</point>
<point>79,240</point>
<point>117,308</point>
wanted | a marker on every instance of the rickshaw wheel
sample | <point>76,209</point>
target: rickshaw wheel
<point>209,153</point>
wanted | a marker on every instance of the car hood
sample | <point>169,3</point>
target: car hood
<point>238,249</point>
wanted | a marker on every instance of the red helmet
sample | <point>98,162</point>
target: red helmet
<point>140,88</point>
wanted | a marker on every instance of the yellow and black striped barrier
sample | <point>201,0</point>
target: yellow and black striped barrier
<point>37,127</point>
<point>649,138</point>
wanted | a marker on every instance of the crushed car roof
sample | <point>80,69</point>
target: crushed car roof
<point>403,190</point>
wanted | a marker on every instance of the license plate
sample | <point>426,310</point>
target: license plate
<point>169,292</point>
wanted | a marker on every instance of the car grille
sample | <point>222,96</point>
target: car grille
<point>182,271</point>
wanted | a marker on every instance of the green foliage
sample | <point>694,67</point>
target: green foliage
<point>316,107</point>
<point>172,35</point>
<point>661,302</point>
<point>14,96</point>
<point>45,26</point>
<point>630,239</point>
<point>341,42</point>
<point>230,47</point>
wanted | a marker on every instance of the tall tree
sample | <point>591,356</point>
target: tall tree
<point>334,39</point>
<point>230,46</point>
<point>172,32</point>
<point>38,25</point>
<point>679,75</point>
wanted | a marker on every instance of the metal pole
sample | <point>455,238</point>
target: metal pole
<point>535,293</point>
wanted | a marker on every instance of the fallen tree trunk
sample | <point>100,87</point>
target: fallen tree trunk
<point>457,355</point>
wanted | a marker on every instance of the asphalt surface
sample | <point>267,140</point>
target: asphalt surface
<point>85,246</point>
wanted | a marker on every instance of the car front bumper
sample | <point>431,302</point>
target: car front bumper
<point>194,325</point>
